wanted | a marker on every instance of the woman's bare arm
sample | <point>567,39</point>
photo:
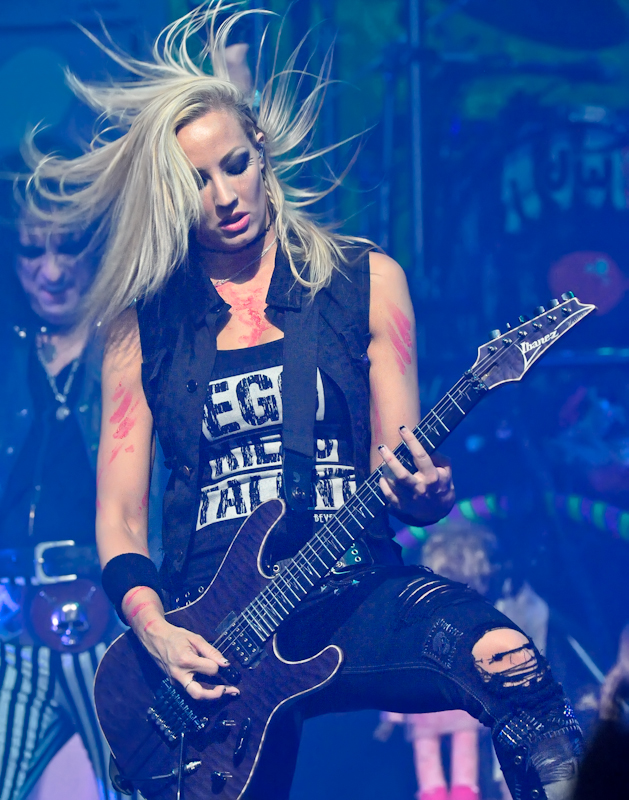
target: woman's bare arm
<point>124,471</point>
<point>125,452</point>
<point>426,495</point>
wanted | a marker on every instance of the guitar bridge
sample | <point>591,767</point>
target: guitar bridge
<point>172,715</point>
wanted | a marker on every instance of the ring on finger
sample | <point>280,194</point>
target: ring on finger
<point>192,680</point>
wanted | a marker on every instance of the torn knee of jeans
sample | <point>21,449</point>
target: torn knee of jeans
<point>520,666</point>
<point>515,667</point>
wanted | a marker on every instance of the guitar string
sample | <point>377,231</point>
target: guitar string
<point>458,390</point>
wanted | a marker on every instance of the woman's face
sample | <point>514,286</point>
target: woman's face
<point>230,166</point>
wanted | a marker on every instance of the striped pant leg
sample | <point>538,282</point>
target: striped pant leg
<point>29,716</point>
<point>75,682</point>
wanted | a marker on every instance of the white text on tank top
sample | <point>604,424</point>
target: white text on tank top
<point>247,470</point>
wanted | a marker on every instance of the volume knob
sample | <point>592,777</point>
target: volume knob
<point>219,779</point>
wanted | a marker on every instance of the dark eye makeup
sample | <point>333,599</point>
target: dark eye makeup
<point>30,251</point>
<point>238,164</point>
<point>232,164</point>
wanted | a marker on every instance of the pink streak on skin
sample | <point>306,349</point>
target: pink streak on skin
<point>114,453</point>
<point>140,607</point>
<point>402,323</point>
<point>130,449</point>
<point>122,409</point>
<point>145,501</point>
<point>402,355</point>
<point>247,309</point>
<point>133,594</point>
<point>148,624</point>
<point>98,505</point>
<point>400,337</point>
<point>125,428</point>
<point>127,424</point>
<point>118,393</point>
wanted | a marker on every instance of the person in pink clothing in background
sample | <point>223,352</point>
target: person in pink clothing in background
<point>465,551</point>
<point>459,551</point>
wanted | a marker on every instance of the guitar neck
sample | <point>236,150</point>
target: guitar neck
<point>300,574</point>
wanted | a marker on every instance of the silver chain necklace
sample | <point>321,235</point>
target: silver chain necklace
<point>61,397</point>
<point>221,281</point>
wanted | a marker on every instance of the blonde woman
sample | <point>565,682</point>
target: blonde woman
<point>273,358</point>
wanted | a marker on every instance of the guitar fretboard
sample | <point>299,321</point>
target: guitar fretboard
<point>261,618</point>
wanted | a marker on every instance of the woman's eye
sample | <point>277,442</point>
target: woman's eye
<point>239,166</point>
<point>202,178</point>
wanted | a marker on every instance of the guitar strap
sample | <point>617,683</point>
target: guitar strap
<point>299,392</point>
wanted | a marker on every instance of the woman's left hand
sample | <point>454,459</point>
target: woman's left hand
<point>424,496</point>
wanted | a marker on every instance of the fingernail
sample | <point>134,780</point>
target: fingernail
<point>382,447</point>
<point>225,662</point>
<point>402,427</point>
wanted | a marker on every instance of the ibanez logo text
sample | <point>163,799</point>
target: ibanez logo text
<point>526,347</point>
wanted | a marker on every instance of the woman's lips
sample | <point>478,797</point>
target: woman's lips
<point>237,225</point>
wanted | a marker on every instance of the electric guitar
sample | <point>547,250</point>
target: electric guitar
<point>162,741</point>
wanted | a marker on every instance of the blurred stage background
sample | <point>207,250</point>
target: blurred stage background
<point>495,168</point>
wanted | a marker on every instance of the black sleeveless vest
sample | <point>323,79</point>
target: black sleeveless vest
<point>178,330</point>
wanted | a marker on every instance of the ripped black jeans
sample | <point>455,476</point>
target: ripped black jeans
<point>408,636</point>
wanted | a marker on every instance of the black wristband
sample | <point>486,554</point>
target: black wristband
<point>125,572</point>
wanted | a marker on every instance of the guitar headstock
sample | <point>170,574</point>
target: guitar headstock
<point>509,355</point>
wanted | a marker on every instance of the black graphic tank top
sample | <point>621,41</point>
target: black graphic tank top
<point>241,451</point>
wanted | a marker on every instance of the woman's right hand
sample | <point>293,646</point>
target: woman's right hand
<point>181,654</point>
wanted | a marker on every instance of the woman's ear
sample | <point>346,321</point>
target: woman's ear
<point>260,146</point>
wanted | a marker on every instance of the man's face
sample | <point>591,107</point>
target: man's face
<point>53,272</point>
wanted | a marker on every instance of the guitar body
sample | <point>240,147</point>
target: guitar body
<point>128,679</point>
<point>142,715</point>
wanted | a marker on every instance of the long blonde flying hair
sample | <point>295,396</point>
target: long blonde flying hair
<point>141,190</point>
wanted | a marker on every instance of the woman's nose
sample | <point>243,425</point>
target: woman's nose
<point>224,193</point>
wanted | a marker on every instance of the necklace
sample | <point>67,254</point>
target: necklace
<point>221,281</point>
<point>61,397</point>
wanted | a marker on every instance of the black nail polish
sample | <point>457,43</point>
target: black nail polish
<point>380,447</point>
<point>402,427</point>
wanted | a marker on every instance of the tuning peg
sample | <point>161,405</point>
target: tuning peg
<point>494,334</point>
<point>538,310</point>
<point>567,295</point>
<point>523,318</point>
<point>553,303</point>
